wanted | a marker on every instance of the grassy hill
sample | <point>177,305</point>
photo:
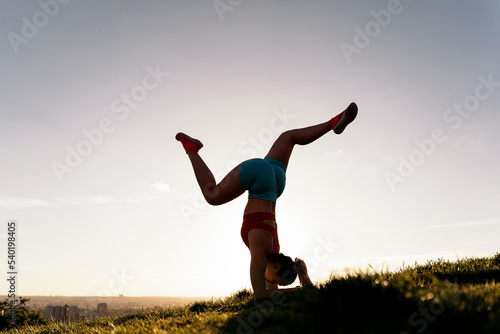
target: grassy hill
<point>438,297</point>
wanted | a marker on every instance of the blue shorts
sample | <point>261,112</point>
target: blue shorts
<point>263,178</point>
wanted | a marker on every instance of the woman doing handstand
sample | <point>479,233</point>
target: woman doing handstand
<point>265,181</point>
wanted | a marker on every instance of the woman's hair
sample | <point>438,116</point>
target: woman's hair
<point>287,271</point>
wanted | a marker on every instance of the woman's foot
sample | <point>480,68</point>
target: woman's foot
<point>189,144</point>
<point>339,122</point>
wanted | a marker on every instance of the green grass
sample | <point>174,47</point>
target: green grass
<point>438,297</point>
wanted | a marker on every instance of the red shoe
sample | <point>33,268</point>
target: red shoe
<point>339,122</point>
<point>190,144</point>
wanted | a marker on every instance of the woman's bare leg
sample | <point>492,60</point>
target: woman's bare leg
<point>283,146</point>
<point>228,189</point>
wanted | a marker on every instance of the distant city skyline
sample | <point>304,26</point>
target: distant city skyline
<point>75,308</point>
<point>105,199</point>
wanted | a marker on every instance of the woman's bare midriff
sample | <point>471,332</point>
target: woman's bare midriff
<point>259,205</point>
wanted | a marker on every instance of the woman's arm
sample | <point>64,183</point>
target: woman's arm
<point>257,270</point>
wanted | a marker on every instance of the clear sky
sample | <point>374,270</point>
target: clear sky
<point>93,92</point>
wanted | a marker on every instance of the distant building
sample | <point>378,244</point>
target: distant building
<point>102,309</point>
<point>87,314</point>
<point>64,313</point>
<point>53,313</point>
<point>48,312</point>
<point>73,315</point>
<point>57,315</point>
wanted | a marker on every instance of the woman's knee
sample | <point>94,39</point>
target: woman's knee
<point>229,188</point>
<point>287,137</point>
<point>218,195</point>
<point>211,195</point>
<point>214,202</point>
